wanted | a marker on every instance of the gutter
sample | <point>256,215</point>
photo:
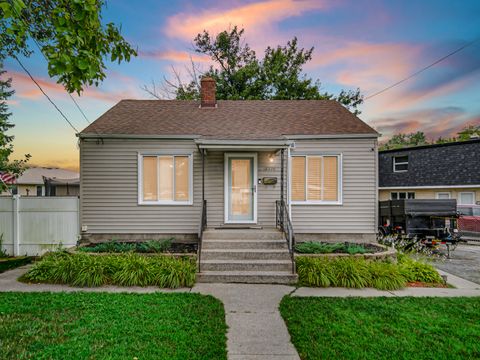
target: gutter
<point>333,136</point>
<point>132,136</point>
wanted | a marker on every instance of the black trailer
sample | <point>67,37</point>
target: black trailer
<point>428,221</point>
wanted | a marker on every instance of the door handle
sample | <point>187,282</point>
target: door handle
<point>254,188</point>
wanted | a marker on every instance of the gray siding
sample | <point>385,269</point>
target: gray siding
<point>357,214</point>
<point>109,189</point>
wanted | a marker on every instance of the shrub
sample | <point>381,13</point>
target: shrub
<point>353,249</point>
<point>351,272</point>
<point>113,246</point>
<point>418,270</point>
<point>120,269</point>
<point>385,275</point>
<point>316,272</point>
<point>355,272</point>
<point>312,247</point>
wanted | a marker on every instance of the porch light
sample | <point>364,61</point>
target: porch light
<point>270,158</point>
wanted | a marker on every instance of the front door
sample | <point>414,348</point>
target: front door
<point>240,188</point>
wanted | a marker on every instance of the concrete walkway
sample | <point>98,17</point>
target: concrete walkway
<point>255,328</point>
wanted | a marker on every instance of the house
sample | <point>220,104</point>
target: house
<point>440,171</point>
<point>46,181</point>
<point>153,168</point>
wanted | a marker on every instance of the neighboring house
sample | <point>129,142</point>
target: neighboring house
<point>43,181</point>
<point>146,166</point>
<point>441,171</point>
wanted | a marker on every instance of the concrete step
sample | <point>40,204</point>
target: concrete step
<point>244,234</point>
<point>249,277</point>
<point>246,265</point>
<point>243,244</point>
<point>244,254</point>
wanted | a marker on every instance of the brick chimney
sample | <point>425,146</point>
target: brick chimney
<point>207,92</point>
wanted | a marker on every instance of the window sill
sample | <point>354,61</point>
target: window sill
<point>175,203</point>
<point>316,203</point>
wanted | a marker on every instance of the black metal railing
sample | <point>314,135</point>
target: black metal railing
<point>284,223</point>
<point>202,226</point>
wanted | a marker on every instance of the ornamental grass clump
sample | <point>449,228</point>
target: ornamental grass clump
<point>128,269</point>
<point>354,272</point>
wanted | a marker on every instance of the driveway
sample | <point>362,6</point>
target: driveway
<point>464,262</point>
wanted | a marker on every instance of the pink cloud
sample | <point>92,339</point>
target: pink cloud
<point>26,89</point>
<point>256,17</point>
<point>445,122</point>
<point>174,56</point>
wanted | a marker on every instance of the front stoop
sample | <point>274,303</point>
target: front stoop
<point>255,256</point>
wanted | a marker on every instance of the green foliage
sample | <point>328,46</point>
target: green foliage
<point>113,246</point>
<point>312,247</point>
<point>14,167</point>
<point>316,272</point>
<point>355,272</point>
<point>129,269</point>
<point>399,141</point>
<point>418,270</point>
<point>70,34</point>
<point>385,275</point>
<point>240,75</point>
<point>383,328</point>
<point>3,253</point>
<point>9,263</point>
<point>86,325</point>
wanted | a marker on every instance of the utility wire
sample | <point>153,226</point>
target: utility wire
<point>423,69</point>
<point>25,21</point>
<point>44,93</point>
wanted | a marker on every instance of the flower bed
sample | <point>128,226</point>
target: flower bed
<point>130,269</point>
<point>9,263</point>
<point>358,272</point>
<point>144,247</point>
<point>362,250</point>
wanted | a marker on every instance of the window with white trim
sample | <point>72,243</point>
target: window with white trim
<point>316,179</point>
<point>400,163</point>
<point>443,195</point>
<point>466,198</point>
<point>401,195</point>
<point>165,179</point>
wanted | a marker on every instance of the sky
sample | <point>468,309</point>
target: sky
<point>357,44</point>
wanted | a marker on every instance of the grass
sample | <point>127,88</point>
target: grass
<point>111,326</point>
<point>118,269</point>
<point>9,263</point>
<point>354,272</point>
<point>384,328</point>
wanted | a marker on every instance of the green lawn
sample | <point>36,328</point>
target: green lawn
<point>111,326</point>
<point>384,328</point>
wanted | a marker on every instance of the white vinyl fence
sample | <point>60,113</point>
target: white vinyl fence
<point>34,225</point>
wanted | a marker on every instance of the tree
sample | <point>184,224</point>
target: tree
<point>70,35</point>
<point>469,132</point>
<point>240,75</point>
<point>14,167</point>
<point>399,141</point>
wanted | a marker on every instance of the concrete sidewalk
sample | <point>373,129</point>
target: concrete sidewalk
<point>256,329</point>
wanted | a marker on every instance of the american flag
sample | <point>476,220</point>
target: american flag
<point>6,177</point>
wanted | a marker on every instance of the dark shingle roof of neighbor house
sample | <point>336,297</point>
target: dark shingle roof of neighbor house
<point>231,119</point>
<point>450,164</point>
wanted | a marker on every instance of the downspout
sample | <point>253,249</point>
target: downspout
<point>289,202</point>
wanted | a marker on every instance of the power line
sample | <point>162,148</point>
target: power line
<point>25,21</point>
<point>44,93</point>
<point>423,69</point>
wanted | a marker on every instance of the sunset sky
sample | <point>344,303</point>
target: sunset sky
<point>366,44</point>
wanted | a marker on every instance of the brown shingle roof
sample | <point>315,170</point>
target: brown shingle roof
<point>249,119</point>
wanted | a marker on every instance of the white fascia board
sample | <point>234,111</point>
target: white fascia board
<point>429,187</point>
